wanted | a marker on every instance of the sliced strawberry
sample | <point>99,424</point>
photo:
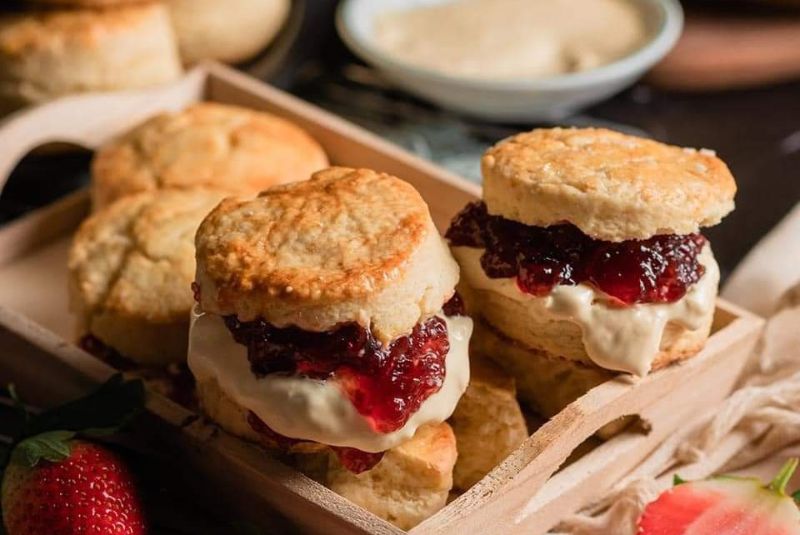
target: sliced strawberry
<point>725,506</point>
<point>676,509</point>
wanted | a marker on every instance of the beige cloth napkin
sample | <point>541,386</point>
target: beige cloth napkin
<point>769,270</point>
<point>758,427</point>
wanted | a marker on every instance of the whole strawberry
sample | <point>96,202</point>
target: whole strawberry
<point>57,484</point>
<point>89,490</point>
<point>724,505</point>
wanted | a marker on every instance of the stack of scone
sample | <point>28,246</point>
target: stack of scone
<point>327,322</point>
<point>132,262</point>
<point>52,48</point>
<point>584,258</point>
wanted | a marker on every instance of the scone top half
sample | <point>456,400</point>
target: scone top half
<point>612,186</point>
<point>333,294</point>
<point>586,246</point>
<point>346,246</point>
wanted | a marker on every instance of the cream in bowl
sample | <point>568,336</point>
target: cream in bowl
<point>511,60</point>
<point>511,39</point>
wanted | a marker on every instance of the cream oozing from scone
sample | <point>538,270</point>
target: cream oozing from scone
<point>312,409</point>
<point>617,338</point>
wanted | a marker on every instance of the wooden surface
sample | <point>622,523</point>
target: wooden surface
<point>728,51</point>
<point>31,286</point>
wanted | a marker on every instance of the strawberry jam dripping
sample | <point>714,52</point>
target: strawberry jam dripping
<point>354,460</point>
<point>385,383</point>
<point>656,270</point>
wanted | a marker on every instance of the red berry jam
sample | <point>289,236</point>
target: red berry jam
<point>354,460</point>
<point>656,270</point>
<point>386,384</point>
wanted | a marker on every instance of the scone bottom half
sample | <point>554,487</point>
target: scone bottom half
<point>327,314</point>
<point>586,246</point>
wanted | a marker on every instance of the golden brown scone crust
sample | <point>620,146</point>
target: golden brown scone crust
<point>488,422</point>
<point>349,245</point>
<point>409,484</point>
<point>49,53</point>
<point>610,185</point>
<point>210,145</point>
<point>130,271</point>
<point>230,31</point>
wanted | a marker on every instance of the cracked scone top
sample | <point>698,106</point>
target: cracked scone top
<point>210,145</point>
<point>348,245</point>
<point>131,266</point>
<point>610,185</point>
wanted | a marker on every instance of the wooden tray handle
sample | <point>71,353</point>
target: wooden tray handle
<point>89,120</point>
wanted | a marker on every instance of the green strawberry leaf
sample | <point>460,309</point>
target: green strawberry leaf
<point>677,480</point>
<point>101,413</point>
<point>778,485</point>
<point>52,446</point>
<point>796,496</point>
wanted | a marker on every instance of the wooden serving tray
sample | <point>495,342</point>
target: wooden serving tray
<point>524,494</point>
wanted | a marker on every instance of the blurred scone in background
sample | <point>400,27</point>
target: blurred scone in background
<point>52,48</point>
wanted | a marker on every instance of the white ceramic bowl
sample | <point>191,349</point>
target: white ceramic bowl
<point>519,100</point>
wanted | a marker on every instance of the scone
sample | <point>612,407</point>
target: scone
<point>230,31</point>
<point>131,266</point>
<point>410,484</point>
<point>488,422</point>
<point>46,54</point>
<point>584,258</point>
<point>210,145</point>
<point>327,314</point>
<point>587,246</point>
